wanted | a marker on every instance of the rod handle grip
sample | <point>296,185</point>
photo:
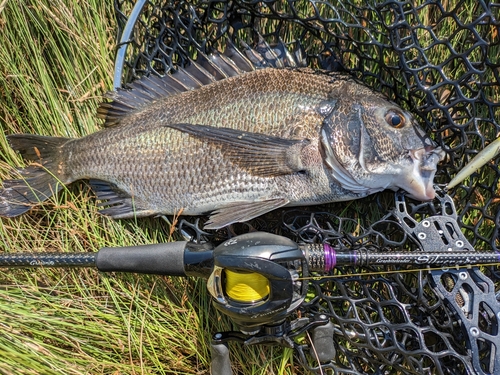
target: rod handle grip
<point>157,259</point>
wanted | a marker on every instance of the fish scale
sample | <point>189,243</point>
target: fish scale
<point>236,146</point>
<point>252,104</point>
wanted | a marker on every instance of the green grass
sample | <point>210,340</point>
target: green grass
<point>56,59</point>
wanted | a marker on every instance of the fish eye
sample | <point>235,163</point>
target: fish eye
<point>395,119</point>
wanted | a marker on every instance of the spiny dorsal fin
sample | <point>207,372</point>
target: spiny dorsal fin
<point>205,70</point>
<point>235,55</point>
<point>134,96</point>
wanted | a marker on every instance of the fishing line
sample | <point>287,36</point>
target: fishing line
<point>246,287</point>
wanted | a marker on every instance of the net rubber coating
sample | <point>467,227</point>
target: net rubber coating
<point>48,260</point>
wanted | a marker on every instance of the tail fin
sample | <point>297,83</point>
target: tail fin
<point>38,181</point>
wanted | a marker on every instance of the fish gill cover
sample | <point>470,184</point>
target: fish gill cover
<point>440,60</point>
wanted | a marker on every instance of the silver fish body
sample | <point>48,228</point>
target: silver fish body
<point>237,147</point>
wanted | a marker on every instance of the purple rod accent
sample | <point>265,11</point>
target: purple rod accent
<point>330,257</point>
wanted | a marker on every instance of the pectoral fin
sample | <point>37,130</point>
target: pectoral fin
<point>237,212</point>
<point>258,154</point>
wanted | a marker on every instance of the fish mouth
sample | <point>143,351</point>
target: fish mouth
<point>420,183</point>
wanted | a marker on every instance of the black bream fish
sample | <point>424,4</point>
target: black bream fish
<point>229,137</point>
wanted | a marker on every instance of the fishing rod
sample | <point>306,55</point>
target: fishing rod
<point>439,236</point>
<point>183,258</point>
<point>259,279</point>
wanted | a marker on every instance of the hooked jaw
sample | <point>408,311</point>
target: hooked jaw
<point>420,182</point>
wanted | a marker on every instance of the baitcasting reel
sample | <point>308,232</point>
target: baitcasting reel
<point>255,280</point>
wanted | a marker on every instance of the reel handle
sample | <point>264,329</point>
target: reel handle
<point>322,342</point>
<point>221,364</point>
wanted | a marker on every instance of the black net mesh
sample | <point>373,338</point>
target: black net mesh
<point>440,60</point>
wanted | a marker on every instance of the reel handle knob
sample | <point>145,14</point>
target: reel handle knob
<point>221,364</point>
<point>322,342</point>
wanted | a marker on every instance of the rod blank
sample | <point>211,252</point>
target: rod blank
<point>48,260</point>
<point>324,258</point>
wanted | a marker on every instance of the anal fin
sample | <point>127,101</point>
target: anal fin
<point>237,212</point>
<point>118,204</point>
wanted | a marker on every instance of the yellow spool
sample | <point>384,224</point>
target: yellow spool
<point>246,287</point>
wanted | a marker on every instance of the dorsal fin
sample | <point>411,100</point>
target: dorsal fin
<point>200,73</point>
<point>136,95</point>
<point>218,66</point>
<point>277,55</point>
<point>205,70</point>
<point>238,57</point>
